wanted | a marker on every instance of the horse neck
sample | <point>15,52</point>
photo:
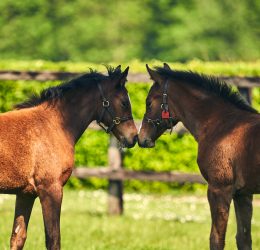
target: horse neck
<point>76,110</point>
<point>200,112</point>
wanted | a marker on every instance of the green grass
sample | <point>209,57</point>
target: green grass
<point>150,222</point>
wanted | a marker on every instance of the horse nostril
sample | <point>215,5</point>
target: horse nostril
<point>146,143</point>
<point>130,142</point>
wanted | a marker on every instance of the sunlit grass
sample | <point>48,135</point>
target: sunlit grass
<point>149,222</point>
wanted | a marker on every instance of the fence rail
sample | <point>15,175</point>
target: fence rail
<point>248,82</point>
<point>123,174</point>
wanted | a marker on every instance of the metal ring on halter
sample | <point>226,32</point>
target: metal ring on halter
<point>164,106</point>
<point>105,103</point>
<point>116,120</point>
<point>155,122</point>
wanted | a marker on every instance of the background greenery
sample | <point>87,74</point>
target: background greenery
<point>150,222</point>
<point>172,152</point>
<point>114,30</point>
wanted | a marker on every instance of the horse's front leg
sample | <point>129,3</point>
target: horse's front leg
<point>51,198</point>
<point>244,210</point>
<point>219,200</point>
<point>23,209</point>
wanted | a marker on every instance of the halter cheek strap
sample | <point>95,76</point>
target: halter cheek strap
<point>165,115</point>
<point>107,108</point>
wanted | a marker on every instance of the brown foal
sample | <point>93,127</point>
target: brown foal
<point>37,143</point>
<point>227,130</point>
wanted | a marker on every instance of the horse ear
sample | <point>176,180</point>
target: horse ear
<point>118,68</point>
<point>124,76</point>
<point>121,79</point>
<point>125,73</point>
<point>166,66</point>
<point>153,74</point>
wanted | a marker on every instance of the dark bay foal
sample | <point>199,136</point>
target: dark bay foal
<point>37,143</point>
<point>227,130</point>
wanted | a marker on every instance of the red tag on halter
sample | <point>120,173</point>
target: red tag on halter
<point>165,115</point>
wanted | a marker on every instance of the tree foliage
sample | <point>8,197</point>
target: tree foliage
<point>104,31</point>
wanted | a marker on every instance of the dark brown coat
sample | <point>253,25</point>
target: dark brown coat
<point>227,130</point>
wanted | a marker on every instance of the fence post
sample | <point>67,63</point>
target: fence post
<point>115,187</point>
<point>246,93</point>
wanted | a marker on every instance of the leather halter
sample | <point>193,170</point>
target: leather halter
<point>107,108</point>
<point>165,110</point>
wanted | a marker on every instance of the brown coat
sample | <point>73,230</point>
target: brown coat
<point>37,143</point>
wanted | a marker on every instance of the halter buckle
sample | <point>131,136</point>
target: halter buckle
<point>164,106</point>
<point>116,120</point>
<point>105,103</point>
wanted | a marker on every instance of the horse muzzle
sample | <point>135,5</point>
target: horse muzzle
<point>129,143</point>
<point>146,143</point>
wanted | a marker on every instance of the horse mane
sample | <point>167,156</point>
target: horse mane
<point>210,84</point>
<point>52,94</point>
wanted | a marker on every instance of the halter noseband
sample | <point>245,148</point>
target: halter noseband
<point>165,116</point>
<point>106,107</point>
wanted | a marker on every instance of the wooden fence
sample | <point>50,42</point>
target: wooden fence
<point>115,172</point>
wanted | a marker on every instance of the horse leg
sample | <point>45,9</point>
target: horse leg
<point>219,201</point>
<point>23,209</point>
<point>51,198</point>
<point>243,209</point>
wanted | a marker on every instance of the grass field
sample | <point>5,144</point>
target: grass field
<point>150,222</point>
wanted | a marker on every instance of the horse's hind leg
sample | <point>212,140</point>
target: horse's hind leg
<point>51,198</point>
<point>23,209</point>
<point>219,201</point>
<point>243,209</point>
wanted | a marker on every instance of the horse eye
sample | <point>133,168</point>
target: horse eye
<point>149,104</point>
<point>125,104</point>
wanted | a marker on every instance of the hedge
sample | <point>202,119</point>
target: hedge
<point>214,68</point>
